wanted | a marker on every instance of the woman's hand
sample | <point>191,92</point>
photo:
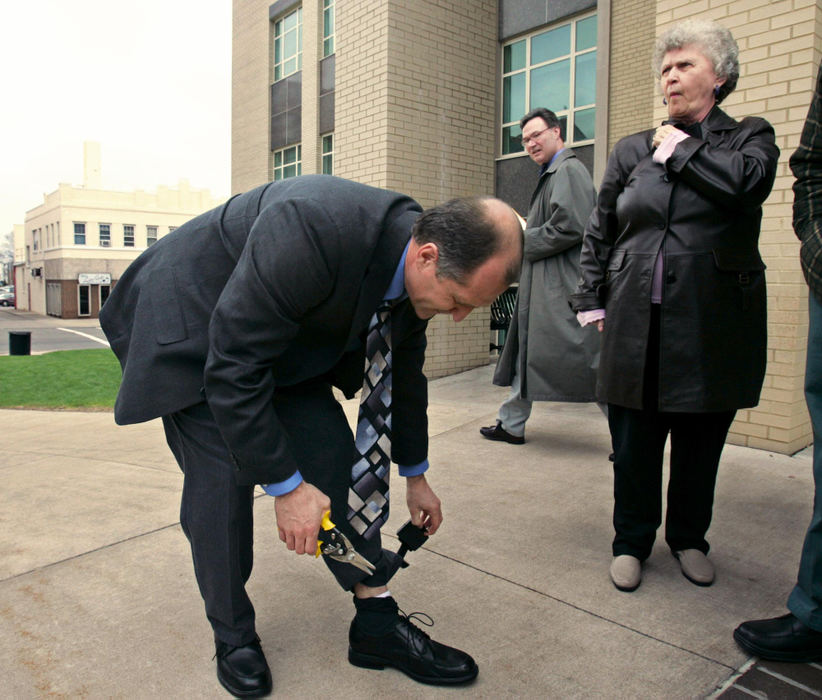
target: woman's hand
<point>662,132</point>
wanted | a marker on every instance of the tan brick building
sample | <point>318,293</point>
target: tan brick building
<point>79,240</point>
<point>422,96</point>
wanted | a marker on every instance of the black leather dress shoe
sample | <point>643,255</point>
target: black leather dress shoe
<point>410,650</point>
<point>243,671</point>
<point>780,639</point>
<point>497,432</point>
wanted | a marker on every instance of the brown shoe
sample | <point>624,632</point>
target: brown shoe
<point>497,432</point>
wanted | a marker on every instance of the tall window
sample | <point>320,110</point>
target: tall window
<point>288,44</point>
<point>79,234</point>
<point>105,235</point>
<point>553,68</point>
<point>128,235</point>
<point>288,162</point>
<point>328,154</point>
<point>328,27</point>
<point>151,235</point>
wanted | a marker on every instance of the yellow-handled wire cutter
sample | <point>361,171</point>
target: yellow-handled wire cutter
<point>332,543</point>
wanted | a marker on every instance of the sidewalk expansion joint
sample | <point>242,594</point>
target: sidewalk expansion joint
<point>580,609</point>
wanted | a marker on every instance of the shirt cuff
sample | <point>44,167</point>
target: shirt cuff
<point>666,148</point>
<point>592,316</point>
<point>414,470</point>
<point>281,488</point>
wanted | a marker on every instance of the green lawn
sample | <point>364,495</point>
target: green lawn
<point>69,379</point>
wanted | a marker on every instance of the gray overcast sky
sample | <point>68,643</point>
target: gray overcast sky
<point>149,80</point>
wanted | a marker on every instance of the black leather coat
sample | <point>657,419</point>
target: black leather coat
<point>703,211</point>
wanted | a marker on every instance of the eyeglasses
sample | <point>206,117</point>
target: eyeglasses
<point>525,140</point>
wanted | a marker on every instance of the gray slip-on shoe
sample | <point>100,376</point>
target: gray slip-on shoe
<point>626,572</point>
<point>696,567</point>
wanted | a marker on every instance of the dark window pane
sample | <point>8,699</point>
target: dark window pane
<point>513,97</point>
<point>585,79</point>
<point>551,44</point>
<point>550,86</point>
<point>584,124</point>
<point>511,143</point>
<point>291,21</point>
<point>514,57</point>
<point>587,33</point>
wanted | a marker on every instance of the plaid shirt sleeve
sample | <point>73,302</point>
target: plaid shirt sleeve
<point>806,165</point>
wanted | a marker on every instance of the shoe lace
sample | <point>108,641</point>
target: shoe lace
<point>224,649</point>
<point>413,632</point>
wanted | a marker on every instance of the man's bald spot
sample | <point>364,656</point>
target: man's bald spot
<point>507,224</point>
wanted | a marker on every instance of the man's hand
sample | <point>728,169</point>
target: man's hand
<point>423,504</point>
<point>299,514</point>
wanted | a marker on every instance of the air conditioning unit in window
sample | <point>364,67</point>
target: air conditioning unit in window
<point>105,244</point>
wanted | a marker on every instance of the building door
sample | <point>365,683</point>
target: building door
<point>83,300</point>
<point>54,299</point>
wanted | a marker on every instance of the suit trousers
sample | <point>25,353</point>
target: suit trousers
<point>805,600</point>
<point>216,513</point>
<point>639,437</point>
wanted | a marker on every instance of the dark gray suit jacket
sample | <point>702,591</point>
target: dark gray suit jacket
<point>274,288</point>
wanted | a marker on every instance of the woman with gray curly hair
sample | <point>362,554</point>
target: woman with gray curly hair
<point>672,276</point>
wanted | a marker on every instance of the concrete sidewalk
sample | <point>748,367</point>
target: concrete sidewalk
<point>98,598</point>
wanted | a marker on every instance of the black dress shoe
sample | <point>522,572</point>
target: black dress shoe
<point>497,432</point>
<point>410,650</point>
<point>243,671</point>
<point>780,639</point>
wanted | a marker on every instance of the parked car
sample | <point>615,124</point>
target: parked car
<point>7,299</point>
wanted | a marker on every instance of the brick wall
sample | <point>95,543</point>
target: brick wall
<point>631,91</point>
<point>415,97</point>
<point>779,46</point>
<point>250,84</point>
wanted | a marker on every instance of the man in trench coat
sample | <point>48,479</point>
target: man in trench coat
<point>547,355</point>
<point>234,329</point>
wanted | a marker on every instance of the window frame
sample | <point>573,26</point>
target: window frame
<point>79,234</point>
<point>279,38</point>
<point>327,155</point>
<point>107,237</point>
<point>281,152</point>
<point>128,239</point>
<point>329,17</point>
<point>150,240</point>
<point>565,115</point>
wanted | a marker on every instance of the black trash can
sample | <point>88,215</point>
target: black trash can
<point>19,342</point>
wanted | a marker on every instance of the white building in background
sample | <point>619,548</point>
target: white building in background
<point>81,238</point>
